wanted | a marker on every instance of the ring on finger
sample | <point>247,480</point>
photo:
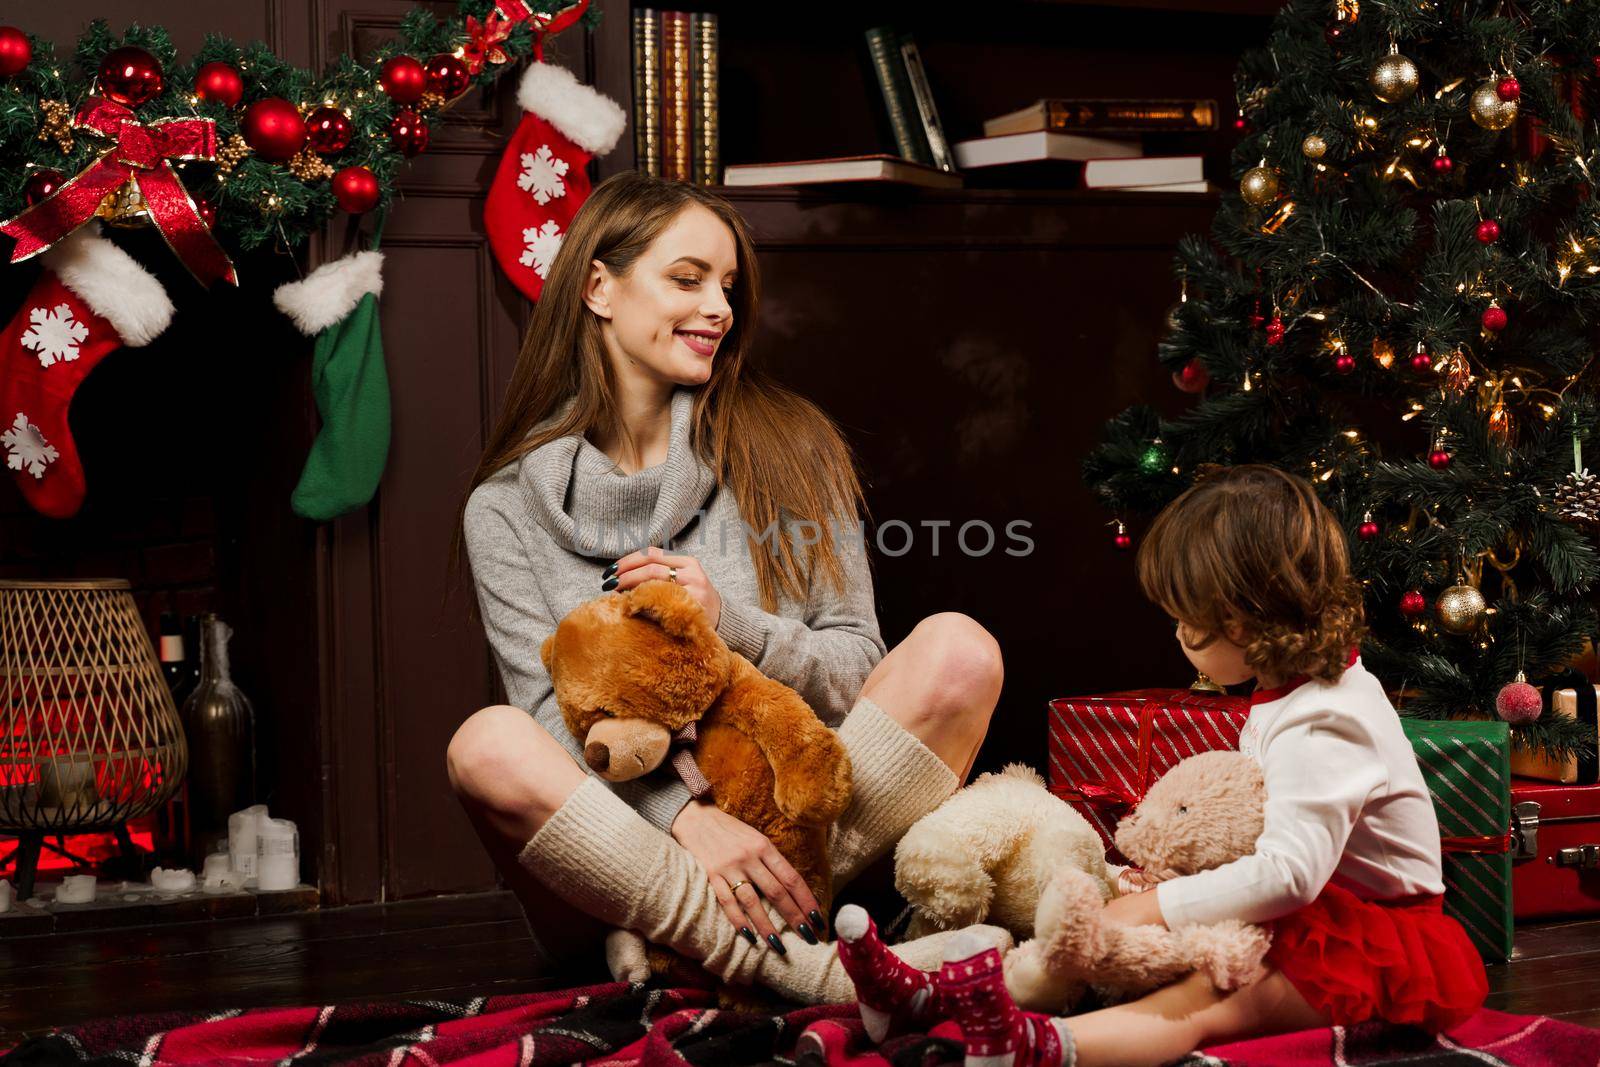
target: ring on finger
<point>672,576</point>
<point>734,888</point>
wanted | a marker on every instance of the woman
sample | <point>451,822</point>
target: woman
<point>633,419</point>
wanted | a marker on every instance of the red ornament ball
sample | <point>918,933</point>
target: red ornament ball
<point>1413,604</point>
<point>1344,363</point>
<point>130,76</point>
<point>1488,232</point>
<point>40,184</point>
<point>408,133</point>
<point>1443,165</point>
<point>1439,459</point>
<point>1367,531</point>
<point>1192,378</point>
<point>1518,702</point>
<point>1508,88</point>
<point>16,51</point>
<point>447,75</point>
<point>1421,362</point>
<point>219,83</point>
<point>329,130</point>
<point>356,189</point>
<point>274,128</point>
<point>1494,318</point>
<point>403,78</point>
<point>208,211</point>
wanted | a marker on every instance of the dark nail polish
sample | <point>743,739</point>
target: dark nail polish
<point>772,939</point>
<point>805,932</point>
<point>609,571</point>
<point>608,585</point>
<point>749,934</point>
<point>818,921</point>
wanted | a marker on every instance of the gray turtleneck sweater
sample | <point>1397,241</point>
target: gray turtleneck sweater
<point>540,531</point>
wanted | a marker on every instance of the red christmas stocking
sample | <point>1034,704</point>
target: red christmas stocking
<point>541,181</point>
<point>91,300</point>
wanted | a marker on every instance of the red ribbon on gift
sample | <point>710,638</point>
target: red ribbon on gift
<point>1488,843</point>
<point>1106,795</point>
<point>140,154</point>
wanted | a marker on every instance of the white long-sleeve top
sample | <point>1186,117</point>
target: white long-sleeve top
<point>1345,802</point>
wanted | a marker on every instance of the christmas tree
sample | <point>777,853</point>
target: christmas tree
<point>1400,303</point>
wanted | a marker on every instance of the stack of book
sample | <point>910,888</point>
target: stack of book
<point>923,154</point>
<point>1097,141</point>
<point>675,129</point>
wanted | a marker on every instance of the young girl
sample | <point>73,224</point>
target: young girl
<point>1254,570</point>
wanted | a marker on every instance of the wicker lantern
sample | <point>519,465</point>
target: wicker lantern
<point>90,735</point>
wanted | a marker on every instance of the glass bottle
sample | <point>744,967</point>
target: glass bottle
<point>220,726</point>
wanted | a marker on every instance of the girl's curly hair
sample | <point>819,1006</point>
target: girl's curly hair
<point>1253,546</point>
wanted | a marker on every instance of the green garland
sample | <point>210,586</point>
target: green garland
<point>259,203</point>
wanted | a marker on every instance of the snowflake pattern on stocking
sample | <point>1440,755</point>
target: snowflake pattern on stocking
<point>26,448</point>
<point>55,334</point>
<point>542,244</point>
<point>541,175</point>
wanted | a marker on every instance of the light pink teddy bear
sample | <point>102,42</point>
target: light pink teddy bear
<point>1203,813</point>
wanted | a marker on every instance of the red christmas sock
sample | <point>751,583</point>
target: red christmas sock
<point>541,181</point>
<point>91,300</point>
<point>997,1032</point>
<point>893,995</point>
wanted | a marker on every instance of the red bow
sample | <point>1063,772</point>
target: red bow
<point>544,23</point>
<point>139,154</point>
<point>484,40</point>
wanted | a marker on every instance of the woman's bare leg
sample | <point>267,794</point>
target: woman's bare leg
<point>941,683</point>
<point>511,775</point>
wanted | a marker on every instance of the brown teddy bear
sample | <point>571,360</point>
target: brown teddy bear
<point>633,669</point>
<point>1203,813</point>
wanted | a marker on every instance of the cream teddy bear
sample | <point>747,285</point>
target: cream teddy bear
<point>1203,813</point>
<point>986,854</point>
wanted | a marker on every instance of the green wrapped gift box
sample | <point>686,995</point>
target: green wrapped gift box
<point>1467,766</point>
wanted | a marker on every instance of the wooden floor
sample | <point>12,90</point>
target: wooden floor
<point>470,946</point>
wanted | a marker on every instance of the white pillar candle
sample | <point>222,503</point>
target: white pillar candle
<point>5,895</point>
<point>76,889</point>
<point>242,829</point>
<point>277,855</point>
<point>172,881</point>
<point>216,864</point>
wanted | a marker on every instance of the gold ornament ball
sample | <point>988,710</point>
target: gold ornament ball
<point>1393,79</point>
<point>1259,186</point>
<point>1489,111</point>
<point>1313,147</point>
<point>1460,607</point>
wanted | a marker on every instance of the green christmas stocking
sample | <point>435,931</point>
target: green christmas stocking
<point>338,304</point>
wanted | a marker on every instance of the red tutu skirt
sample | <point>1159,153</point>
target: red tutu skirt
<point>1401,961</point>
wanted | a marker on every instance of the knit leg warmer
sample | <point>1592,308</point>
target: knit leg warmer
<point>895,780</point>
<point>601,856</point>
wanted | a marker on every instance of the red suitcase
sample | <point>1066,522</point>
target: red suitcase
<point>1558,855</point>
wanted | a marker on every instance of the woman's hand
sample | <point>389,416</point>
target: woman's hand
<point>638,567</point>
<point>734,854</point>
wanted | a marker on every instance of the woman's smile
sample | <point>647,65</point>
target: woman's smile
<point>700,342</point>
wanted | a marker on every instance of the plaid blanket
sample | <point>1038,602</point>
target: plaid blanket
<point>625,1026</point>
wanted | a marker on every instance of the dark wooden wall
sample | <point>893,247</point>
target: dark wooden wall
<point>971,343</point>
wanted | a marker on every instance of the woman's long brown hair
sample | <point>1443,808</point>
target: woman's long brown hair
<point>779,454</point>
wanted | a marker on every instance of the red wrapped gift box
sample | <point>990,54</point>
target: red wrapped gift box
<point>1105,751</point>
<point>1563,879</point>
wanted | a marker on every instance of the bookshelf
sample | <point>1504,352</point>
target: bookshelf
<point>798,85</point>
<point>972,342</point>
